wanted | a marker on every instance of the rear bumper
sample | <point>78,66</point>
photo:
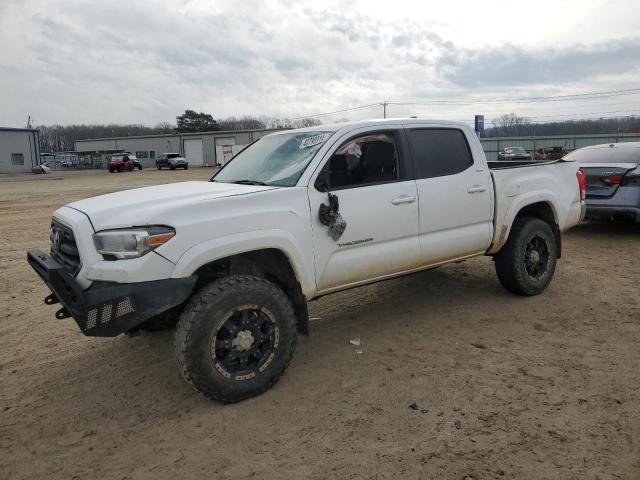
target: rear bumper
<point>624,202</point>
<point>107,309</point>
<point>618,211</point>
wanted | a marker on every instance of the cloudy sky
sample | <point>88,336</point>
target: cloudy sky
<point>145,61</point>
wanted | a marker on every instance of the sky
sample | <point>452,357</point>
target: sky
<point>144,61</point>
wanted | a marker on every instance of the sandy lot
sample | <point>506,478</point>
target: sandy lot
<point>554,393</point>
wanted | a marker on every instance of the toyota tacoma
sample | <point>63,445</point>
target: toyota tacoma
<point>233,262</point>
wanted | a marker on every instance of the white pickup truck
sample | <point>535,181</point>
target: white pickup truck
<point>296,215</point>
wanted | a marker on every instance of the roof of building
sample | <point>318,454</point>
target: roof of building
<point>12,129</point>
<point>178,134</point>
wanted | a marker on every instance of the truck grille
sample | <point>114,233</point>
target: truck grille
<point>63,247</point>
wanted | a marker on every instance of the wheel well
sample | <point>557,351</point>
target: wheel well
<point>271,264</point>
<point>543,211</point>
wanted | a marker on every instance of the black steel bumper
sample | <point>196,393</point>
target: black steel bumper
<point>107,309</point>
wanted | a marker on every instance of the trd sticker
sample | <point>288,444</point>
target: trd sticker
<point>355,242</point>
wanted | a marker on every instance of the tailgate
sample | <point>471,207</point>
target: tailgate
<point>604,179</point>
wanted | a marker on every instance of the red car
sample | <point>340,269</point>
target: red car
<point>123,161</point>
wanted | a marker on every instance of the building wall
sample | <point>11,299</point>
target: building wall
<point>169,143</point>
<point>492,146</point>
<point>23,142</point>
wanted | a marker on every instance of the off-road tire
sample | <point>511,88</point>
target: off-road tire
<point>510,260</point>
<point>198,326</point>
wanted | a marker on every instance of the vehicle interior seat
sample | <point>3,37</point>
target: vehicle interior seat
<point>379,162</point>
<point>339,172</point>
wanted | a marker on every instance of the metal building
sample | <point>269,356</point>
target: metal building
<point>19,150</point>
<point>200,149</point>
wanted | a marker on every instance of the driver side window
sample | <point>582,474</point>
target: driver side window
<point>365,160</point>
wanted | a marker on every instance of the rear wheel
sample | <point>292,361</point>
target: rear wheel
<point>527,262</point>
<point>235,338</point>
<point>111,170</point>
<point>186,167</point>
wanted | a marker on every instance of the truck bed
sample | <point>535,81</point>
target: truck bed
<point>503,164</point>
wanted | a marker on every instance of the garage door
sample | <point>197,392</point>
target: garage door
<point>221,143</point>
<point>193,152</point>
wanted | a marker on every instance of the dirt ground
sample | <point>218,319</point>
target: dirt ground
<point>505,387</point>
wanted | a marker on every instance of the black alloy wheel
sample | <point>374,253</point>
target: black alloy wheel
<point>536,257</point>
<point>245,342</point>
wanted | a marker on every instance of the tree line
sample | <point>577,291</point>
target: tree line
<point>60,138</point>
<point>513,125</point>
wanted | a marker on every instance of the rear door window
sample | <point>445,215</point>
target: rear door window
<point>439,151</point>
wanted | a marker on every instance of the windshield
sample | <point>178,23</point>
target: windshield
<point>273,160</point>
<point>173,155</point>
<point>618,154</point>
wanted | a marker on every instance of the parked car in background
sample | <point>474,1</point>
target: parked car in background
<point>172,161</point>
<point>550,153</point>
<point>612,172</point>
<point>123,162</point>
<point>514,153</point>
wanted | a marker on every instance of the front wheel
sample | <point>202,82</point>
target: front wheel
<point>235,338</point>
<point>527,262</point>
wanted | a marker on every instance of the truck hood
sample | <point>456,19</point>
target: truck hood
<point>142,206</point>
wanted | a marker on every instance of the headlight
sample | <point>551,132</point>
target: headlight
<point>131,243</point>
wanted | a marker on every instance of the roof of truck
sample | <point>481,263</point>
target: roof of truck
<point>333,127</point>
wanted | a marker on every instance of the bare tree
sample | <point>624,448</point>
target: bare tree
<point>241,123</point>
<point>510,124</point>
<point>164,127</point>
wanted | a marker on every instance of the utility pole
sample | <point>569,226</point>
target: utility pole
<point>384,109</point>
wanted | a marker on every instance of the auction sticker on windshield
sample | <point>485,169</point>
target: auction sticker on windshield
<point>314,140</point>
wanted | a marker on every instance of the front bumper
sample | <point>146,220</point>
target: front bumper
<point>107,309</point>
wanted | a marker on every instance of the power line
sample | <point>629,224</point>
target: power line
<point>362,107</point>
<point>552,98</point>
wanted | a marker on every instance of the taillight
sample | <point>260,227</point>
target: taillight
<point>582,183</point>
<point>612,180</point>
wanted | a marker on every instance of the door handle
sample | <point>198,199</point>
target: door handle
<point>403,199</point>
<point>476,189</point>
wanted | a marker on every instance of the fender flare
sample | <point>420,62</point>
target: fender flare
<point>506,218</point>
<point>223,247</point>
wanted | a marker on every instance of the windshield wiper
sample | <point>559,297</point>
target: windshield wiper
<point>250,182</point>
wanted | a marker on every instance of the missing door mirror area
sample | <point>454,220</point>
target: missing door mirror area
<point>330,216</point>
